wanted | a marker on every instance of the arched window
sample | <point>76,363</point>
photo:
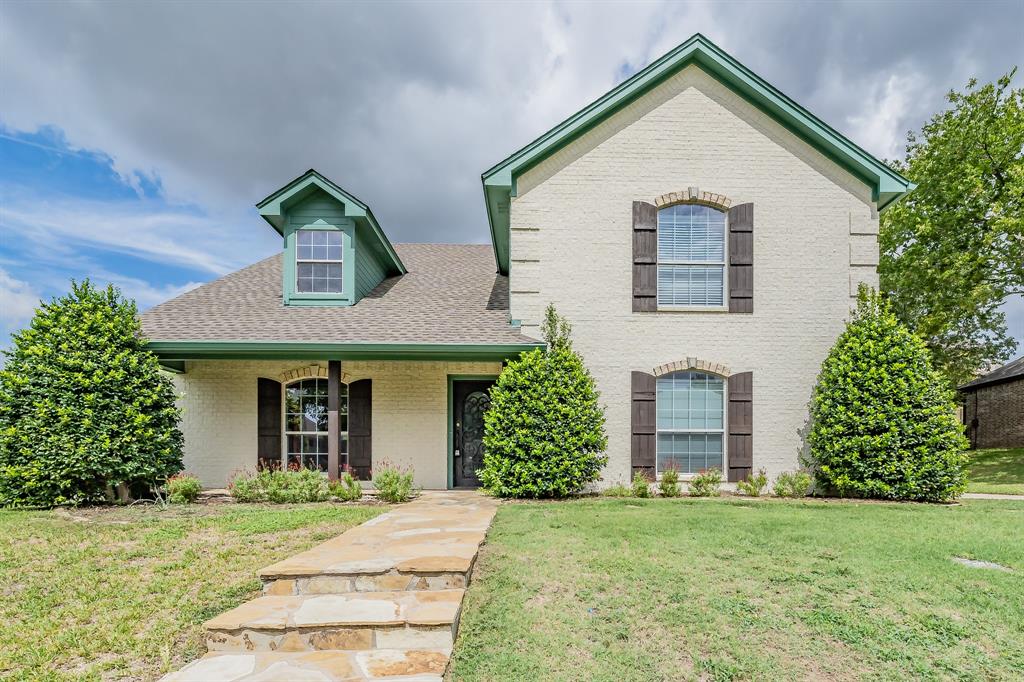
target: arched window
<point>691,256</point>
<point>305,424</point>
<point>691,407</point>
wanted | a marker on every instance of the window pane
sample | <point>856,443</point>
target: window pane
<point>320,238</point>
<point>689,453</point>
<point>691,402</point>
<point>304,237</point>
<point>687,232</point>
<point>691,285</point>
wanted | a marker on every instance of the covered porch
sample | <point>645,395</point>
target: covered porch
<point>334,409</point>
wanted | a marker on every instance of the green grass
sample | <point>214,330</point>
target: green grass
<point>723,589</point>
<point>997,471</point>
<point>121,593</point>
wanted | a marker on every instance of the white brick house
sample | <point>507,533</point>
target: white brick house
<point>703,233</point>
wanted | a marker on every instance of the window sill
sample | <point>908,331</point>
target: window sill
<point>319,299</point>
<point>693,309</point>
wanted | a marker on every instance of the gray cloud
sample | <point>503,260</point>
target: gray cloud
<point>404,104</point>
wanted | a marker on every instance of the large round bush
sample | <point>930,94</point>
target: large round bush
<point>883,421</point>
<point>83,405</point>
<point>544,432</point>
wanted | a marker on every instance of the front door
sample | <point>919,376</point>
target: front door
<point>470,399</point>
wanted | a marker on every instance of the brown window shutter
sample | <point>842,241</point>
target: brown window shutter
<point>741,425</point>
<point>268,423</point>
<point>741,259</point>
<point>644,428</point>
<point>645,257</point>
<point>360,428</point>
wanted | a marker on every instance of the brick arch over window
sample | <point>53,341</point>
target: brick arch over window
<point>692,363</point>
<point>739,416</point>
<point>310,372</point>
<point>693,195</point>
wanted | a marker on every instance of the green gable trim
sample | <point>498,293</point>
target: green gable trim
<point>274,209</point>
<point>499,182</point>
<point>296,350</point>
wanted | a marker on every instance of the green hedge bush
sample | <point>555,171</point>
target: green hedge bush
<point>544,432</point>
<point>84,406</point>
<point>883,423</point>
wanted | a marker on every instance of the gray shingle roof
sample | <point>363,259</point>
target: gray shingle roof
<point>451,294</point>
<point>1008,372</point>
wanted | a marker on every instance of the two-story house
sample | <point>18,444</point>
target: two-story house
<point>703,233</point>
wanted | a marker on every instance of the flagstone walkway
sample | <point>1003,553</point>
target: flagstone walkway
<point>379,602</point>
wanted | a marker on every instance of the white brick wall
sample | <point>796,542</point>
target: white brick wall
<point>410,413</point>
<point>814,238</point>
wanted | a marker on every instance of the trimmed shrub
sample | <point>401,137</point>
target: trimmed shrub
<point>754,484</point>
<point>346,488</point>
<point>669,483</point>
<point>393,484</point>
<point>706,483</point>
<point>544,432</point>
<point>883,422</point>
<point>183,489</point>
<point>280,486</point>
<point>84,407</point>
<point>793,484</point>
<point>641,485</point>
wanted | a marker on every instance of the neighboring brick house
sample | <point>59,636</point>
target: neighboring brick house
<point>994,407</point>
<point>703,233</point>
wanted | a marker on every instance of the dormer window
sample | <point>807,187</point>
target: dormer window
<point>319,261</point>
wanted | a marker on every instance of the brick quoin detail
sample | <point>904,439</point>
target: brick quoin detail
<point>692,363</point>
<point>693,195</point>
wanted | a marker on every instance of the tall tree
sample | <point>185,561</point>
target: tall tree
<point>953,250</point>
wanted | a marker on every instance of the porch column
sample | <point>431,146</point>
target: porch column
<point>333,401</point>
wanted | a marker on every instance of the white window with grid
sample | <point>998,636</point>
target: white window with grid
<point>318,261</point>
<point>691,422</point>
<point>691,257</point>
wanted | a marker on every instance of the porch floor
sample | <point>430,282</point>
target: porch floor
<point>380,601</point>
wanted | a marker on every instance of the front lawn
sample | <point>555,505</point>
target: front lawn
<point>627,589</point>
<point>997,471</point>
<point>121,593</point>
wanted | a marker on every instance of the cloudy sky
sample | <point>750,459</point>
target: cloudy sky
<point>136,137</point>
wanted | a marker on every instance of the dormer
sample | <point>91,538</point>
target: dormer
<point>335,252</point>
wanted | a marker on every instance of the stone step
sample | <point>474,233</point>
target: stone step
<point>355,620</point>
<point>423,665</point>
<point>424,545</point>
<point>389,581</point>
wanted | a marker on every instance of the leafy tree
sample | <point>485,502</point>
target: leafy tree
<point>883,421</point>
<point>953,250</point>
<point>544,432</point>
<point>83,404</point>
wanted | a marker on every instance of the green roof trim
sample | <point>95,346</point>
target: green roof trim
<point>169,351</point>
<point>499,182</point>
<point>274,207</point>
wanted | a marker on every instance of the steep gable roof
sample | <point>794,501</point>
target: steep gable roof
<point>499,182</point>
<point>273,209</point>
